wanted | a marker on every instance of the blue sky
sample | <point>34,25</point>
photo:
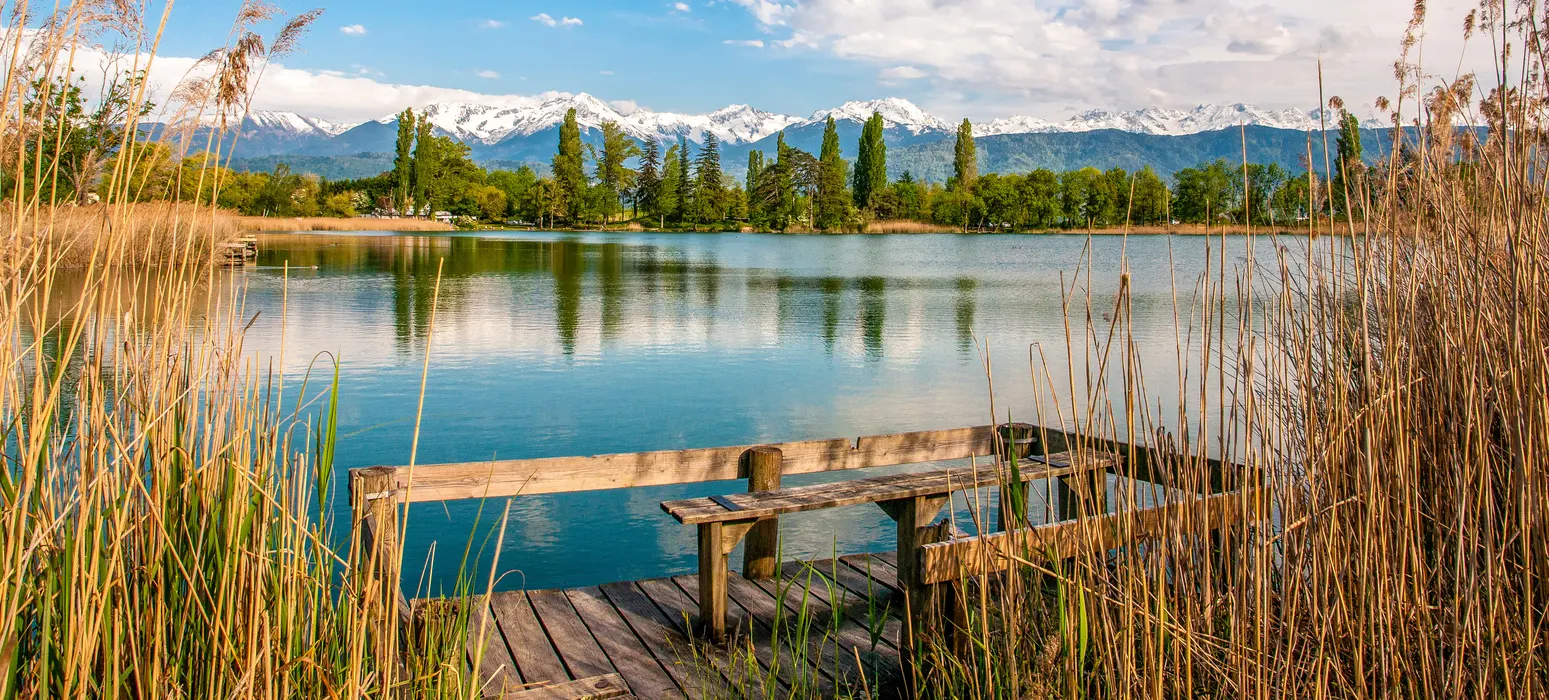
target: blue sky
<point>975,58</point>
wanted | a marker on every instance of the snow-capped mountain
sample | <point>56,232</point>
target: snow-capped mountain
<point>1165,122</point>
<point>491,124</point>
<point>290,122</point>
<point>896,113</point>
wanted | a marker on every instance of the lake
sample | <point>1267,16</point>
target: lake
<point>549,344</point>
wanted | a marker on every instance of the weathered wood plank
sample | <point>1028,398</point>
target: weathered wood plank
<point>834,649</point>
<point>949,561</point>
<point>767,657</point>
<point>529,644</point>
<point>676,604</point>
<point>849,595</point>
<point>444,482</point>
<point>876,489</point>
<point>572,639</point>
<point>661,636</point>
<point>634,662</point>
<point>497,670</point>
<point>765,616</point>
<point>596,688</point>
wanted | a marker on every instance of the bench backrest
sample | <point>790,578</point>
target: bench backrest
<point>494,479</point>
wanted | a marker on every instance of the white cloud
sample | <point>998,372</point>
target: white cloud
<point>1058,56</point>
<point>487,74</point>
<point>605,72</point>
<point>543,18</point>
<point>755,43</point>
<point>353,29</point>
<point>901,73</point>
<point>491,24</point>
<point>625,107</point>
<point>681,7</point>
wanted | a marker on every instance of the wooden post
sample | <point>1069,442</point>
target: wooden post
<point>376,517</point>
<point>913,516</point>
<point>1015,442</point>
<point>758,557</point>
<point>712,582</point>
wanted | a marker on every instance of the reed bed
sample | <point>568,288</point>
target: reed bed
<point>164,499</point>
<point>1385,390</point>
<point>151,233</point>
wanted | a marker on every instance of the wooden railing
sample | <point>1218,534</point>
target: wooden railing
<point>1082,520</point>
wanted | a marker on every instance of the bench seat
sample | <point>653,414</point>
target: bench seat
<point>877,489</point>
<point>912,500</point>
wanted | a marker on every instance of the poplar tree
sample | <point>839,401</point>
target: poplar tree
<point>671,184</point>
<point>709,195</point>
<point>403,163</point>
<point>965,161</point>
<point>829,209</point>
<point>1349,164</point>
<point>570,167</point>
<point>616,179</point>
<point>782,186</point>
<point>648,183</point>
<point>755,168</point>
<point>685,183</point>
<point>424,166</point>
<point>870,162</point>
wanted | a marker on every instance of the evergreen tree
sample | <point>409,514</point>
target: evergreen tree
<point>870,163</point>
<point>832,198</point>
<point>570,167</point>
<point>783,184</point>
<point>403,162</point>
<point>424,166</point>
<point>709,194</point>
<point>649,182</point>
<point>685,207</point>
<point>965,160</point>
<point>616,180</point>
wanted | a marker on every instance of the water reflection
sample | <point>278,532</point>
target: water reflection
<point>556,344</point>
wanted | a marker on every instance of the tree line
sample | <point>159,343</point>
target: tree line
<point>617,179</point>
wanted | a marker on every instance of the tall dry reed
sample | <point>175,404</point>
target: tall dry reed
<point>1388,391</point>
<point>165,499</point>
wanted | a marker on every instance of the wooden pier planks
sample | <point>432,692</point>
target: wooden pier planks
<point>640,630</point>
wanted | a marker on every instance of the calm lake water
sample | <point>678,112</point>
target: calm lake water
<point>576,344</point>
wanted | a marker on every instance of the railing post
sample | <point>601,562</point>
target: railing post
<point>1014,442</point>
<point>762,548</point>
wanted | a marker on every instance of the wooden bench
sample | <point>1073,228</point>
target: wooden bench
<point>911,500</point>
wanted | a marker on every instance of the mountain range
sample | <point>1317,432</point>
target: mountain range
<point>526,133</point>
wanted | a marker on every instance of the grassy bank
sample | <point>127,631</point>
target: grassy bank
<point>320,223</point>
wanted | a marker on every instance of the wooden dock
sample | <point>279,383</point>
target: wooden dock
<point>643,631</point>
<point>834,625</point>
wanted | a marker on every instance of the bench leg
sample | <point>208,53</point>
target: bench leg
<point>716,541</point>
<point>1086,491</point>
<point>712,582</point>
<point>914,516</point>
